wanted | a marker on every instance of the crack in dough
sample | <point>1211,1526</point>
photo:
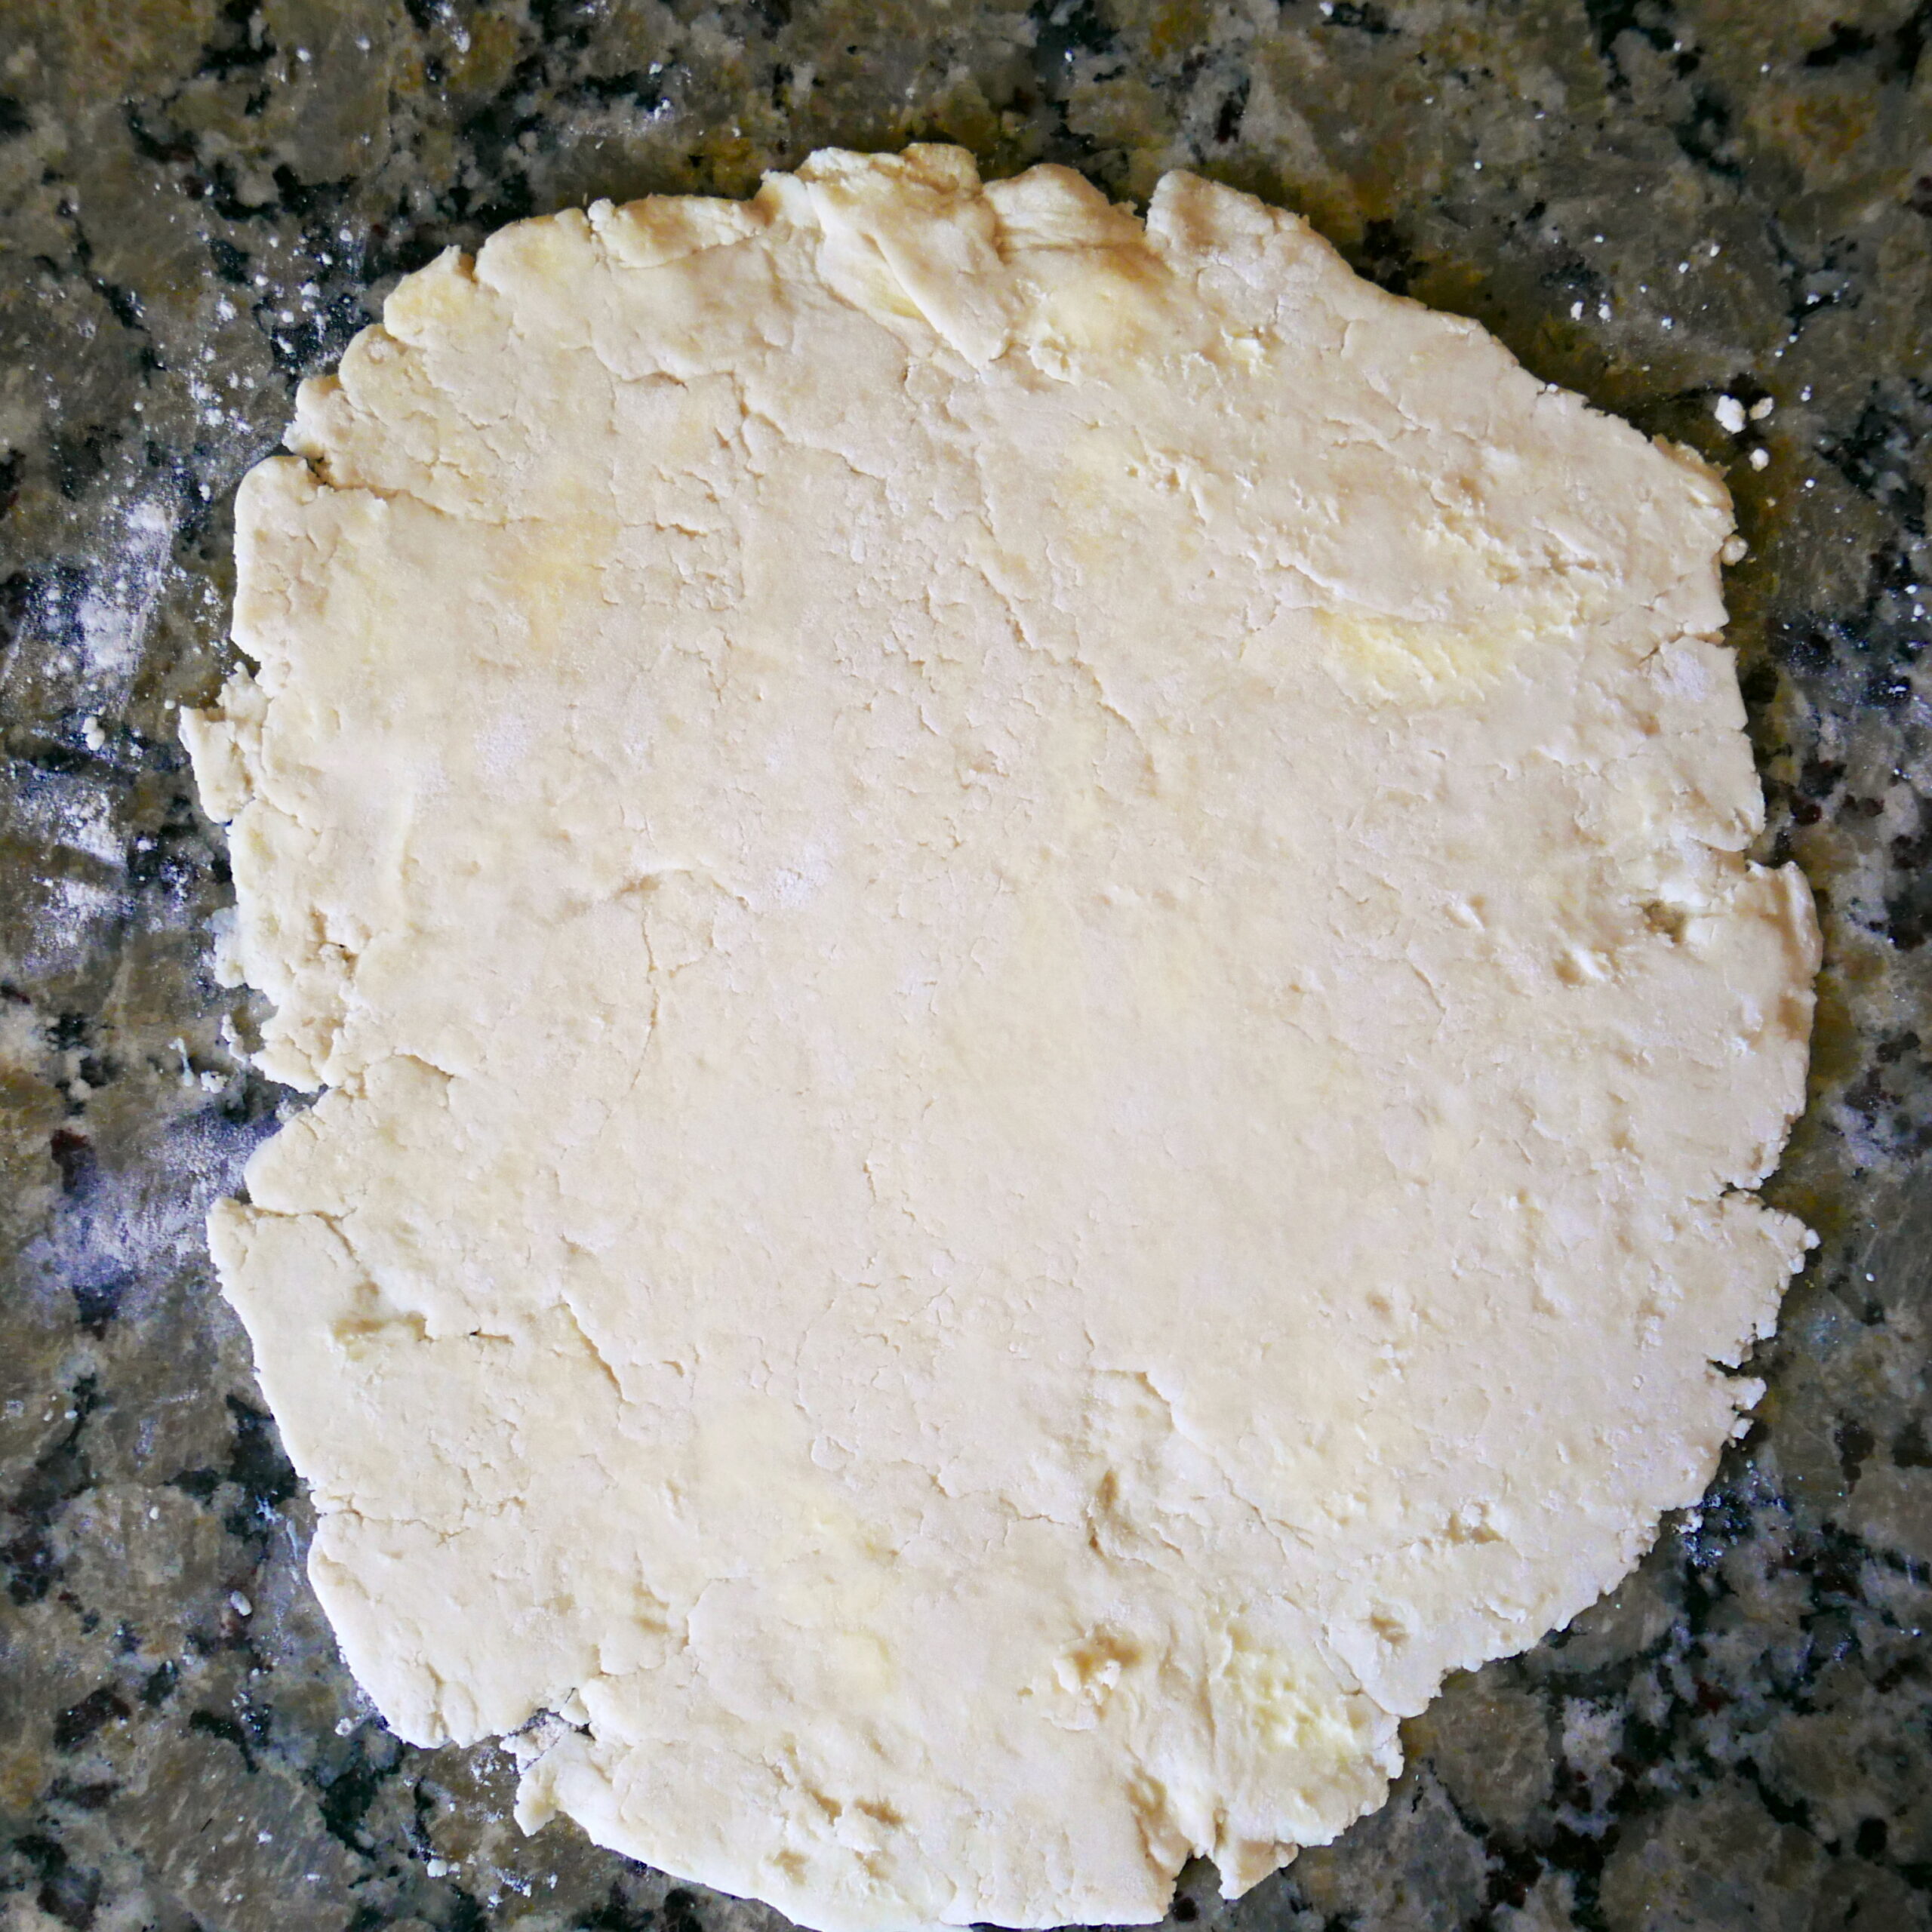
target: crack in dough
<point>1046,1024</point>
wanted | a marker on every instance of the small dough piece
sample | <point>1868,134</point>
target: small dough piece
<point>1044,1023</point>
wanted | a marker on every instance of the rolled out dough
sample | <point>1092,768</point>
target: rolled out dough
<point>1044,1018</point>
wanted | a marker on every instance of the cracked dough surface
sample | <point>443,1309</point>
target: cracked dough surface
<point>1044,1018</point>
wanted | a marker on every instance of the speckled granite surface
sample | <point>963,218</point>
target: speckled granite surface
<point>1655,204</point>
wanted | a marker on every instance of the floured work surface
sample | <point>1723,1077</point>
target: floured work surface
<point>1044,1015</point>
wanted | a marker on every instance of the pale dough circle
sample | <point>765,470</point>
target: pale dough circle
<point>1044,1014</point>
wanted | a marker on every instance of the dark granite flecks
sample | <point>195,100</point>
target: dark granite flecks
<point>1657,204</point>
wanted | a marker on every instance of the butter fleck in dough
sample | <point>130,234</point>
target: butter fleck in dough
<point>1045,1025</point>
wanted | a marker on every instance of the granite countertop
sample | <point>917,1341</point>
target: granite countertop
<point>1657,204</point>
